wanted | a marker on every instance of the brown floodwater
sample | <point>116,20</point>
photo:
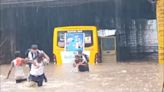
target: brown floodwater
<point>104,77</point>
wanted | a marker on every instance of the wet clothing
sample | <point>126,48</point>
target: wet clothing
<point>33,55</point>
<point>19,72</point>
<point>20,80</point>
<point>38,79</point>
<point>18,64</point>
<point>37,72</point>
<point>84,66</point>
<point>26,53</point>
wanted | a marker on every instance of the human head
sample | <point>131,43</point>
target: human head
<point>80,52</point>
<point>77,57</point>
<point>17,53</point>
<point>40,57</point>
<point>34,46</point>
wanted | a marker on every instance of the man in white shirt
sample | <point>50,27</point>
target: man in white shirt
<point>33,54</point>
<point>37,69</point>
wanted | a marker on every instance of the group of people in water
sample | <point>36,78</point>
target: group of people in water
<point>36,60</point>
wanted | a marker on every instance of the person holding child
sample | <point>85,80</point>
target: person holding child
<point>37,69</point>
<point>81,62</point>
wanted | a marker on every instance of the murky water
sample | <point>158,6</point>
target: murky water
<point>104,77</point>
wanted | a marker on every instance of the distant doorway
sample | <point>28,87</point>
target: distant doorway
<point>108,49</point>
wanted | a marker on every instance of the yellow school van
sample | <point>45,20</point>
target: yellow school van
<point>90,42</point>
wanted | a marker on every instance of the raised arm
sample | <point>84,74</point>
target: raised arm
<point>26,60</point>
<point>46,57</point>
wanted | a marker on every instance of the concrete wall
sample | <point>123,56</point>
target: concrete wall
<point>33,22</point>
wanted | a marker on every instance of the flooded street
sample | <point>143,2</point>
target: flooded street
<point>104,77</point>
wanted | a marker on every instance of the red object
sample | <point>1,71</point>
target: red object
<point>19,62</point>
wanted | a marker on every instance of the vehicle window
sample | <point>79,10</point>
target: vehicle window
<point>61,37</point>
<point>88,38</point>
